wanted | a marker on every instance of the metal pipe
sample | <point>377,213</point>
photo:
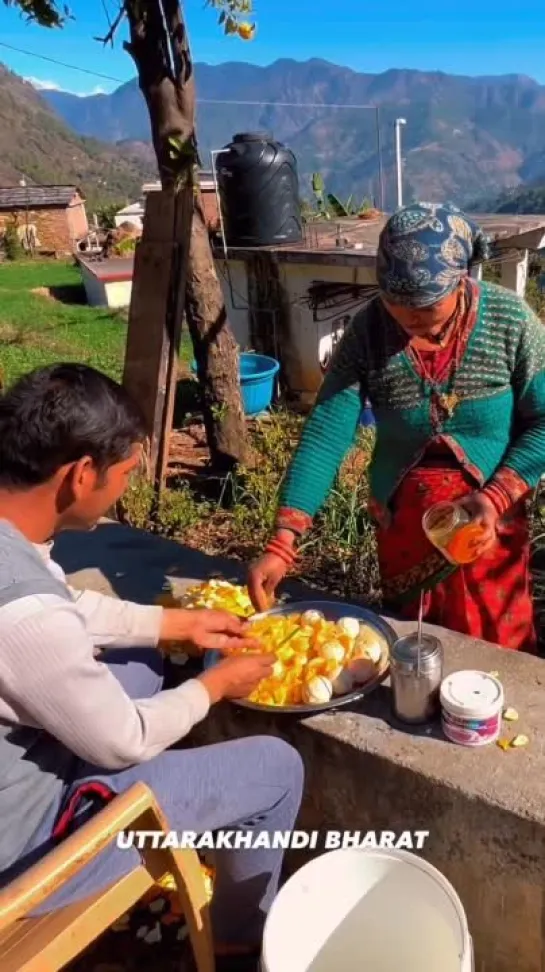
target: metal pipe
<point>379,154</point>
<point>213,155</point>
<point>399,161</point>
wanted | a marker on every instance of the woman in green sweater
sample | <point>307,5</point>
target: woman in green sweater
<point>455,373</point>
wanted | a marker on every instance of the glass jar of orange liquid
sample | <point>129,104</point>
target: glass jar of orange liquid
<point>453,531</point>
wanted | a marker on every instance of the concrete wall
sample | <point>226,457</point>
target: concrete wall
<point>118,294</point>
<point>114,294</point>
<point>94,289</point>
<point>484,809</point>
<point>268,306</point>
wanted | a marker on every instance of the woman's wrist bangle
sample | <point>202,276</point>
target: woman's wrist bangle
<point>498,496</point>
<point>281,550</point>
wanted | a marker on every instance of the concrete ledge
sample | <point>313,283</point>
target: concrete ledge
<point>485,809</point>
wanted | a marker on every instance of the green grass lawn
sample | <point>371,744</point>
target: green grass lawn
<point>37,330</point>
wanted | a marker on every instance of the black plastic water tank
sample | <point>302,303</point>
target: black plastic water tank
<point>259,192</point>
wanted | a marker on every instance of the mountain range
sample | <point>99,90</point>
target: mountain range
<point>37,145</point>
<point>465,137</point>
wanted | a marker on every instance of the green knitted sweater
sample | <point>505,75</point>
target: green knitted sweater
<point>498,423</point>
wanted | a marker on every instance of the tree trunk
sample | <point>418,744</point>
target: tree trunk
<point>166,78</point>
<point>216,350</point>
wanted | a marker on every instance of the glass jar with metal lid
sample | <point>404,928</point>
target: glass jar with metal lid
<point>453,531</point>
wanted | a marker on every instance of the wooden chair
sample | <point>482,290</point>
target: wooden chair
<point>49,943</point>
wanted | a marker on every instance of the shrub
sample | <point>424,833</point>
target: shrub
<point>13,248</point>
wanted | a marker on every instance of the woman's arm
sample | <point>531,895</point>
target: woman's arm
<point>524,462</point>
<point>328,434</point>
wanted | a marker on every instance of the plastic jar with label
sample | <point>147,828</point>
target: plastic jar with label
<point>471,708</point>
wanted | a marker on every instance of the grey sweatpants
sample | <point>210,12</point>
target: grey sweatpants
<point>252,783</point>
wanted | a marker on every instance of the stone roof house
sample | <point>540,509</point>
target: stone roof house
<point>52,218</point>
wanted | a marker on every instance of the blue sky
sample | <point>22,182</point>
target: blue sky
<point>493,37</point>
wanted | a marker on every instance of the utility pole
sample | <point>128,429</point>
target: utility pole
<point>379,157</point>
<point>399,122</point>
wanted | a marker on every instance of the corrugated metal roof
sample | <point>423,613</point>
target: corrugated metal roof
<point>19,197</point>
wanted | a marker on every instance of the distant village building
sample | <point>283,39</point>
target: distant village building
<point>51,219</point>
<point>134,213</point>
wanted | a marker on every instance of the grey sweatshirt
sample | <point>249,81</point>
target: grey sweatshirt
<point>58,700</point>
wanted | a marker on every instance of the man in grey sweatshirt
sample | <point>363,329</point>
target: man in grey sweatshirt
<point>82,709</point>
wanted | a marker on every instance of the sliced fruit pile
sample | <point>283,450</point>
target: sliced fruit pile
<point>221,596</point>
<point>315,658</point>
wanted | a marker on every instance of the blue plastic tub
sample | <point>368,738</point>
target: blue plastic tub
<point>257,376</point>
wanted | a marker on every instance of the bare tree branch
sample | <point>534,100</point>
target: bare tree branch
<point>113,26</point>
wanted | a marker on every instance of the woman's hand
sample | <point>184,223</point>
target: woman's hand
<point>263,578</point>
<point>486,516</point>
<point>237,677</point>
<point>206,630</point>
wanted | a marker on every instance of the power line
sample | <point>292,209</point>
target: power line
<point>52,60</point>
<point>282,104</point>
<point>202,101</point>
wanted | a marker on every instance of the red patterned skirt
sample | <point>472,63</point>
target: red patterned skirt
<point>490,599</point>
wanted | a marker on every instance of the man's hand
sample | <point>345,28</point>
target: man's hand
<point>484,515</point>
<point>205,630</point>
<point>237,677</point>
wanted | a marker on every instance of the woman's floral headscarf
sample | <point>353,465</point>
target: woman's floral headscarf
<point>424,251</point>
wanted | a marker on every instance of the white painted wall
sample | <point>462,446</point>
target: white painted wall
<point>234,283</point>
<point>115,294</point>
<point>118,294</point>
<point>514,272</point>
<point>311,341</point>
<point>94,289</point>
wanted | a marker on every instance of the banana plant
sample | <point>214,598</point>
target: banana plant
<point>330,206</point>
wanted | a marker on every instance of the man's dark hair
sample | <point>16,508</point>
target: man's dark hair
<point>59,414</point>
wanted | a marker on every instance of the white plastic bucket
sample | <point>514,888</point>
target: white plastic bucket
<point>379,911</point>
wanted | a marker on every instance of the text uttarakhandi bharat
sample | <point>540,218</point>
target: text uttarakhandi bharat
<point>285,839</point>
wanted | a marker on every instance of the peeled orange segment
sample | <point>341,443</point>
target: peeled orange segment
<point>343,683</point>
<point>332,651</point>
<point>312,617</point>
<point>314,667</point>
<point>220,595</point>
<point>318,690</point>
<point>362,670</point>
<point>350,627</point>
<point>311,654</point>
